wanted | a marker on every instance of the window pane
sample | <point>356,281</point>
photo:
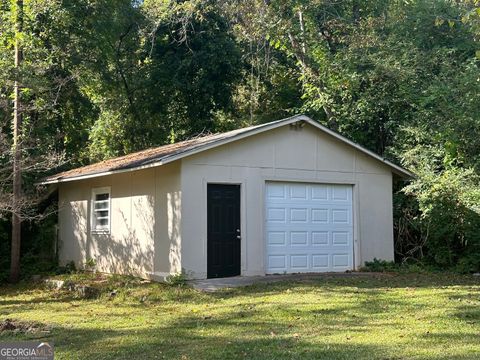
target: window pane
<point>100,210</point>
<point>101,205</point>
<point>102,196</point>
<point>101,214</point>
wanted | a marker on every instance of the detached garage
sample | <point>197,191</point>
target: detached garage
<point>284,197</point>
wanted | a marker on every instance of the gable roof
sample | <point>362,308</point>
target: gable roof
<point>172,152</point>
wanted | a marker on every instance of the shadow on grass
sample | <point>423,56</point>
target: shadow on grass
<point>180,342</point>
<point>238,324</point>
<point>231,336</point>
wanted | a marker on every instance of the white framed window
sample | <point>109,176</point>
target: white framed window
<point>100,216</point>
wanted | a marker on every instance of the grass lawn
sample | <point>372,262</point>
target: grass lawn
<point>408,316</point>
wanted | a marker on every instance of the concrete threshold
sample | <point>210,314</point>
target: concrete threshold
<point>212,285</point>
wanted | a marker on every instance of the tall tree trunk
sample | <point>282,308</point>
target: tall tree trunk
<point>17,170</point>
<point>300,53</point>
<point>303,47</point>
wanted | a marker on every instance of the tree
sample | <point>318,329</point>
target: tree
<point>17,151</point>
<point>103,78</point>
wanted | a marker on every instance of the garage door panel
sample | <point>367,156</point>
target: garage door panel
<point>307,205</point>
<point>299,238</point>
<point>319,193</point>
<point>298,192</point>
<point>309,192</point>
<point>308,200</point>
<point>298,215</point>
<point>320,216</point>
<point>276,215</point>
<point>320,262</point>
<point>308,216</point>
<point>304,237</point>
<point>340,260</point>
<point>276,192</point>
<point>320,238</point>
<point>299,262</point>
<point>340,216</point>
<point>340,193</point>
<point>277,238</point>
<point>341,238</point>
<point>277,263</point>
<point>309,227</point>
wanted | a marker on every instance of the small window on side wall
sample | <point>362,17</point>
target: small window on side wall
<point>101,210</point>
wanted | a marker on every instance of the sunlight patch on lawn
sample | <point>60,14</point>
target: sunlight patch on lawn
<point>426,316</point>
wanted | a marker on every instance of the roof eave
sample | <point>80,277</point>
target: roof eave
<point>203,147</point>
<point>182,154</point>
<point>98,174</point>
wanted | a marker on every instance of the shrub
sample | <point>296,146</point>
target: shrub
<point>380,266</point>
<point>90,264</point>
<point>179,279</point>
<point>69,268</point>
<point>38,247</point>
<point>442,208</point>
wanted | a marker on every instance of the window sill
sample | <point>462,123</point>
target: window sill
<point>101,232</point>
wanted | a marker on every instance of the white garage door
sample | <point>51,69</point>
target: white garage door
<point>309,227</point>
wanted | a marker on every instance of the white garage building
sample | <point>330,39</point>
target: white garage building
<point>284,197</point>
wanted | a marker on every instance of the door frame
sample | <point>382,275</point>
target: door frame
<point>243,228</point>
<point>355,212</point>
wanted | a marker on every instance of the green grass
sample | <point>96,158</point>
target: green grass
<point>404,316</point>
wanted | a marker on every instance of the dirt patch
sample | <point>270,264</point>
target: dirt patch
<point>26,327</point>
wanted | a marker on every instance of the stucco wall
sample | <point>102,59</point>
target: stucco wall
<point>159,224</point>
<point>168,221</point>
<point>284,154</point>
<point>145,207</point>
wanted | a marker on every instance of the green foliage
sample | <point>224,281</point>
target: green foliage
<point>448,199</point>
<point>90,264</point>
<point>179,279</point>
<point>104,78</point>
<point>38,248</point>
<point>187,79</point>
<point>69,268</point>
<point>377,265</point>
<point>400,82</point>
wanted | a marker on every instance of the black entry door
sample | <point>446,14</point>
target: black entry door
<point>223,234</point>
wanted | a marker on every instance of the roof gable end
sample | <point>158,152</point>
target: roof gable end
<point>173,152</point>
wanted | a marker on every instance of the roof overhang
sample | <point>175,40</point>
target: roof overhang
<point>297,120</point>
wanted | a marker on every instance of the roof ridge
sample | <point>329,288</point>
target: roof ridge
<point>163,154</point>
